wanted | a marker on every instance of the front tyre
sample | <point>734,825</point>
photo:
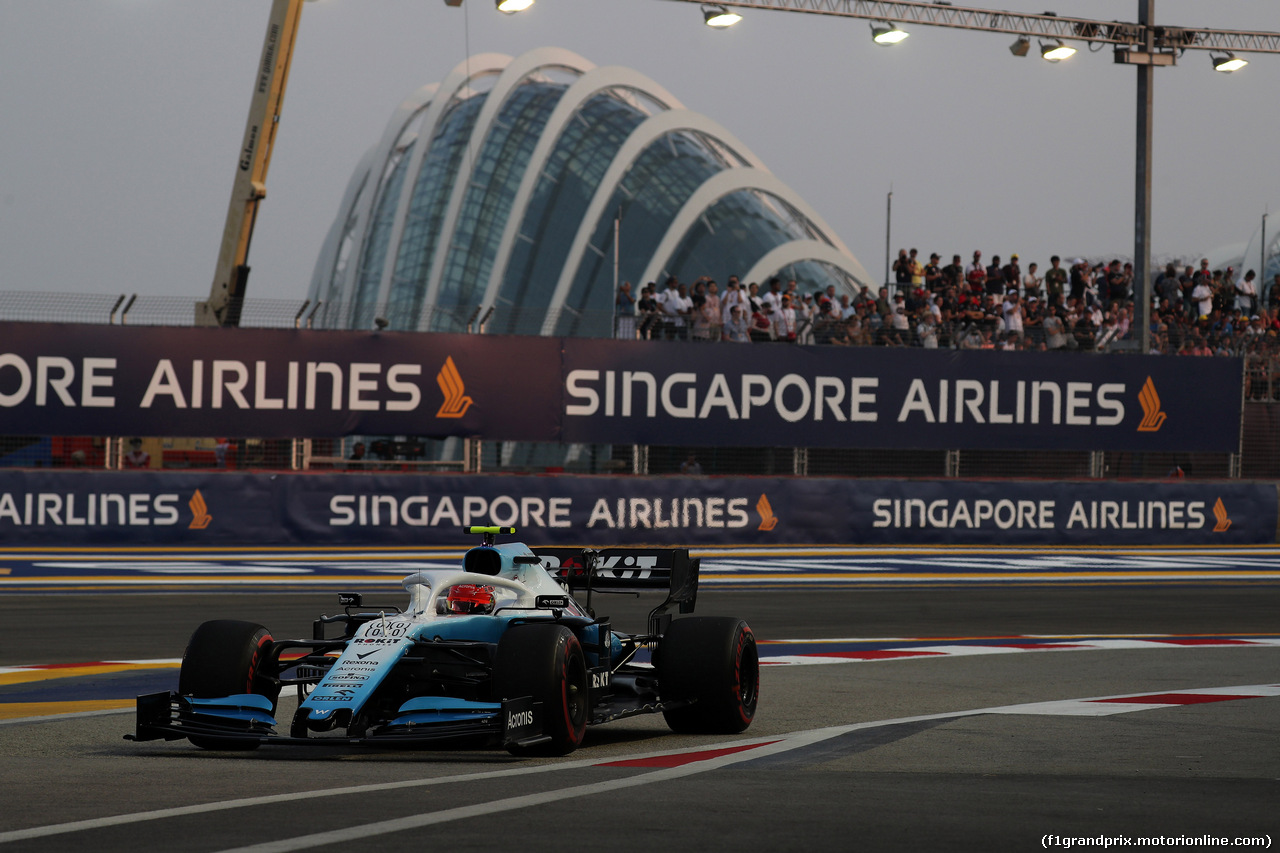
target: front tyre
<point>224,658</point>
<point>545,661</point>
<point>711,663</point>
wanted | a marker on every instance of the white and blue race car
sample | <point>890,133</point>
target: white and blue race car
<point>499,653</point>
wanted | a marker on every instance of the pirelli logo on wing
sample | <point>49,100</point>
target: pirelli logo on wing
<point>456,402</point>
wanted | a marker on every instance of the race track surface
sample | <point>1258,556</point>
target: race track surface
<point>932,707</point>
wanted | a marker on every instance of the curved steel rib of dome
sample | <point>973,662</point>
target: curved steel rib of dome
<point>504,185</point>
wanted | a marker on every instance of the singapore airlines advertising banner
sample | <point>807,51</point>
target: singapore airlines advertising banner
<point>111,380</point>
<point>242,509</point>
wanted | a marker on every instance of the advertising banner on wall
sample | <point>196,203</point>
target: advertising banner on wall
<point>271,383</point>
<point>787,396</point>
<point>43,508</point>
<point>61,379</point>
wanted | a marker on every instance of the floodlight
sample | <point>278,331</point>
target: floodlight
<point>1228,63</point>
<point>887,33</point>
<point>512,6</point>
<point>1055,50</point>
<point>1021,47</point>
<point>719,17</point>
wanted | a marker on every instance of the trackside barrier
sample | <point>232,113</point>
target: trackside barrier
<point>42,508</point>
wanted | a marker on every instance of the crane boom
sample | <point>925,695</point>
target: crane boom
<point>231,276</point>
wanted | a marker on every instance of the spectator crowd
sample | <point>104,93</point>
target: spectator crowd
<point>1071,305</point>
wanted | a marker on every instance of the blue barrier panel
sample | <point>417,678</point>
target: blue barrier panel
<point>232,508</point>
<point>110,380</point>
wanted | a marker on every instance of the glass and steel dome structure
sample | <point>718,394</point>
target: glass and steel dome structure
<point>528,185</point>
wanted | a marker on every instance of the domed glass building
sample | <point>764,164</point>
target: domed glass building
<point>526,187</point>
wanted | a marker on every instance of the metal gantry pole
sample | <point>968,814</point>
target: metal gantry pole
<point>1142,185</point>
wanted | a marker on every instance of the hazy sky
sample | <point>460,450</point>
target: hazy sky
<point>120,123</point>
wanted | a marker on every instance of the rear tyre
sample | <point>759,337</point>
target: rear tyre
<point>223,658</point>
<point>711,663</point>
<point>545,661</point>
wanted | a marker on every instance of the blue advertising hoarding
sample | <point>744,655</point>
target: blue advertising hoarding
<point>42,508</point>
<point>58,379</point>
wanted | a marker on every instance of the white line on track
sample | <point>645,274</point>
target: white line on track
<point>748,750</point>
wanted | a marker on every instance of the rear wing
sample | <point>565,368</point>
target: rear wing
<point>627,570</point>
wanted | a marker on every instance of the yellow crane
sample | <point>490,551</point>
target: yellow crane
<point>250,186</point>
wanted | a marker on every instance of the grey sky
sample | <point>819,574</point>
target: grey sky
<point>120,122</point>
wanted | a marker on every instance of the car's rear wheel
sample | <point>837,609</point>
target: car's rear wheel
<point>709,669</point>
<point>546,662</point>
<point>224,658</point>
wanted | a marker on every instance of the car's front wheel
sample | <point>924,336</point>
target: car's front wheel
<point>545,661</point>
<point>709,672</point>
<point>224,658</point>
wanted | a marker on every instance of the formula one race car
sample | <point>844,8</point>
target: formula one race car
<point>498,653</point>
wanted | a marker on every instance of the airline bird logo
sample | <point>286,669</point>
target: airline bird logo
<point>768,520</point>
<point>1152,417</point>
<point>1220,513</point>
<point>455,403</point>
<point>200,517</point>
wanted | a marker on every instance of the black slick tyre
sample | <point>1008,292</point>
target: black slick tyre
<point>545,661</point>
<point>224,658</point>
<point>712,664</point>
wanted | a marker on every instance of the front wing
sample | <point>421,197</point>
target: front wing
<point>247,720</point>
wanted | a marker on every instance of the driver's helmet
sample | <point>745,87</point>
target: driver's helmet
<point>469,598</point>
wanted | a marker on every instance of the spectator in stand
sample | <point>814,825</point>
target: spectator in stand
<point>784,321</point>
<point>754,302</point>
<point>711,311</point>
<point>902,269</point>
<point>1202,294</point>
<point>1247,294</point>
<point>1055,334</point>
<point>927,331</point>
<point>1012,274</point>
<point>806,314</point>
<point>1013,315</point>
<point>900,321</point>
<point>995,277</point>
<point>1117,286</point>
<point>1032,283</point>
<point>883,303</point>
<point>1166,286</point>
<point>1187,282</point>
<point>736,327</point>
<point>1055,282</point>
<point>136,457</point>
<point>916,268</point>
<point>761,327</point>
<point>932,274</point>
<point>649,314</point>
<point>952,275</point>
<point>1273,293</point>
<point>976,274</point>
<point>1079,274</point>
<point>624,312</point>
<point>732,298</point>
<point>690,467</point>
<point>1224,296</point>
<point>774,297</point>
<point>677,309</point>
